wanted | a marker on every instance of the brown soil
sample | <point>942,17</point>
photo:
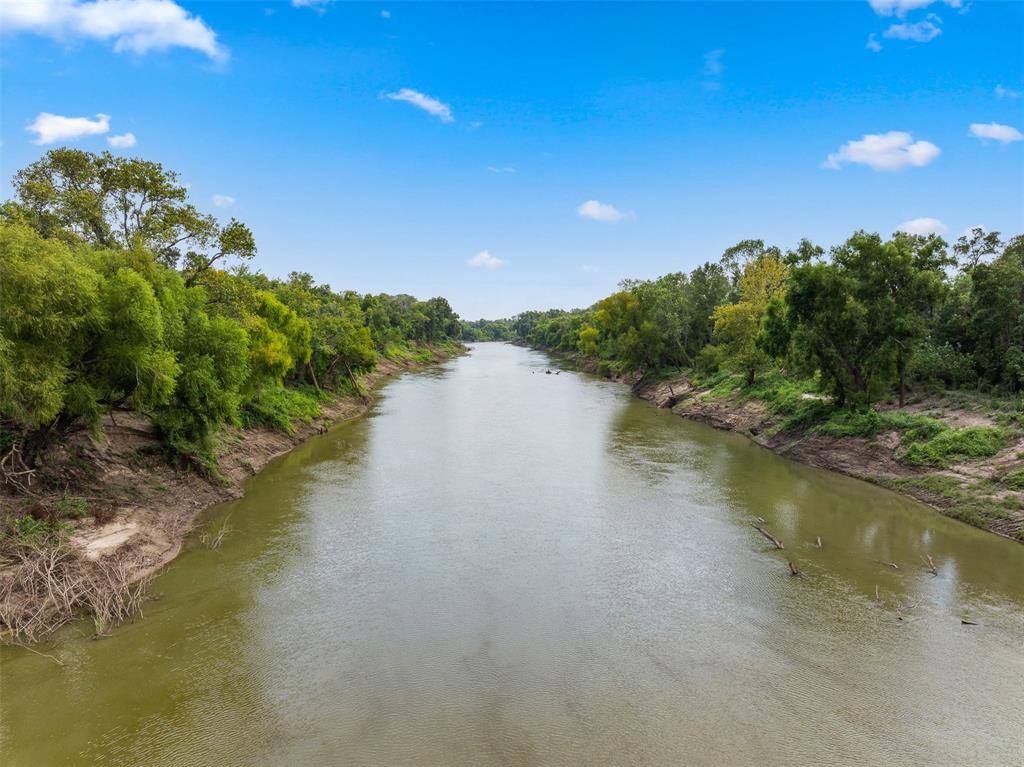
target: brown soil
<point>140,507</point>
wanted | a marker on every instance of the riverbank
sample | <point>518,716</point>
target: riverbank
<point>129,511</point>
<point>983,490</point>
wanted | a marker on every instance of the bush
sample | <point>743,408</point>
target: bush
<point>935,363</point>
<point>281,408</point>
<point>970,442</point>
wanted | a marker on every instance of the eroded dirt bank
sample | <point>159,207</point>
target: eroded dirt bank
<point>138,508</point>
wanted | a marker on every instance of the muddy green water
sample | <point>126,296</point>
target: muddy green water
<point>499,566</point>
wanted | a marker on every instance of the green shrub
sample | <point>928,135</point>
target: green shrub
<point>949,444</point>
<point>72,508</point>
<point>281,408</point>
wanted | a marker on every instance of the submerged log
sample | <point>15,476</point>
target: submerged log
<point>930,567</point>
<point>769,536</point>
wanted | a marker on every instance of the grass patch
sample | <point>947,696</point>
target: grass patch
<point>942,448</point>
<point>281,408</point>
<point>72,508</point>
<point>1014,480</point>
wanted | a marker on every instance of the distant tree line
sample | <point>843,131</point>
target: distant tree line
<point>117,293</point>
<point>870,318</point>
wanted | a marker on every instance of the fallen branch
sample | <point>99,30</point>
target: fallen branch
<point>794,570</point>
<point>930,566</point>
<point>893,565</point>
<point>968,622</point>
<point>769,536</point>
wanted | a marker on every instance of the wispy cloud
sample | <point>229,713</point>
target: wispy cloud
<point>484,260</point>
<point>713,68</point>
<point>884,151</point>
<point>996,132</point>
<point>902,7</point>
<point>422,101</point>
<point>919,32</point>
<point>135,26</point>
<point>923,225</point>
<point>317,5</point>
<point>506,169</point>
<point>50,128</point>
<point>873,44</point>
<point>385,14</point>
<point>1006,93</point>
<point>713,65</point>
<point>602,211</point>
<point>123,141</point>
<point>223,200</point>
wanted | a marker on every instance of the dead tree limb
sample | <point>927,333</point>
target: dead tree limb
<point>777,543</point>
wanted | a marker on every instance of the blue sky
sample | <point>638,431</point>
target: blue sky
<point>572,145</point>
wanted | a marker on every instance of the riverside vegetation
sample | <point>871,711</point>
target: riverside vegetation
<point>905,352</point>
<point>124,304</point>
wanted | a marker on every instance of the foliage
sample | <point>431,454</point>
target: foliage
<point>113,296</point>
<point>281,408</point>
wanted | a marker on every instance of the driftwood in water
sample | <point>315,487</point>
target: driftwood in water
<point>930,567</point>
<point>893,565</point>
<point>794,570</point>
<point>769,536</point>
<point>818,542</point>
<point>967,622</point>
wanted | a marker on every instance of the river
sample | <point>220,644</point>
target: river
<point>498,566</point>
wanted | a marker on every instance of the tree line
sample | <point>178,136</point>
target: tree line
<point>867,319</point>
<point>117,293</point>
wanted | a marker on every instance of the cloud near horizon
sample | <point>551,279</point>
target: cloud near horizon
<point>51,128</point>
<point>484,260</point>
<point>924,225</point>
<point>602,211</point>
<point>428,104</point>
<point>894,150</point>
<point>223,200</point>
<point>996,132</point>
<point>136,26</point>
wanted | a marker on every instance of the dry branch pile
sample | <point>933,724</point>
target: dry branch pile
<point>44,585</point>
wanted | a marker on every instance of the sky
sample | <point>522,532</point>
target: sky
<point>514,156</point>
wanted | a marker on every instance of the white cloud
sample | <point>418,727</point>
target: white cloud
<point>485,260</point>
<point>922,226</point>
<point>50,129</point>
<point>428,104</point>
<point>123,141</point>
<point>506,169</point>
<point>884,151</point>
<point>137,26</point>
<point>921,32</point>
<point>713,65</point>
<point>385,14</point>
<point>1006,93</point>
<point>996,132</point>
<point>602,211</point>
<point>902,7</point>
<point>873,43</point>
<point>316,5</point>
<point>223,200</point>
